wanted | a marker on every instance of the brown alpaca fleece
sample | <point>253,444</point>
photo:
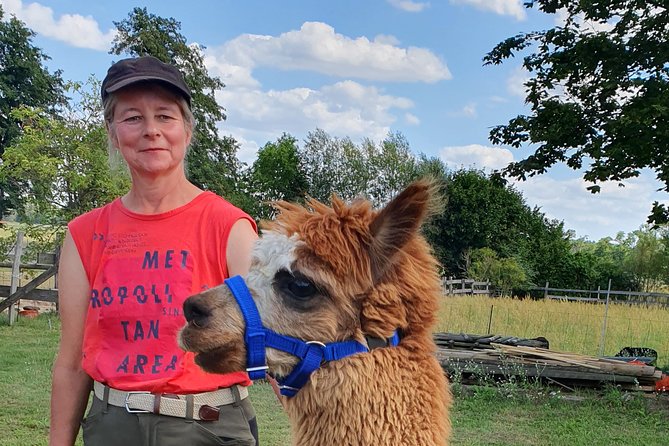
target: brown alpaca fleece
<point>371,273</point>
<point>388,397</point>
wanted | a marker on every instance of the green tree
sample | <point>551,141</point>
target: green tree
<point>277,174</point>
<point>598,92</point>
<point>478,213</point>
<point>24,81</point>
<point>60,165</point>
<point>481,211</point>
<point>390,167</point>
<point>333,165</point>
<point>212,160</point>
<point>376,171</point>
<point>648,260</point>
<point>606,259</point>
<point>505,274</point>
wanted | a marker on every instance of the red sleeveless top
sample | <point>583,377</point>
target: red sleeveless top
<point>140,269</point>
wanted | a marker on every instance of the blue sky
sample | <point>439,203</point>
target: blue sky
<point>357,69</point>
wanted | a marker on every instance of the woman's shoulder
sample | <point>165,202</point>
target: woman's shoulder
<point>219,204</point>
<point>224,211</point>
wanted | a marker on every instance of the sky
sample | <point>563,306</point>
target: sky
<point>357,69</point>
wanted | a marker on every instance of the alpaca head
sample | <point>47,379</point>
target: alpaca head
<point>326,274</point>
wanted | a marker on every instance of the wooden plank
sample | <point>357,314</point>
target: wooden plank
<point>42,266</point>
<point>543,354</point>
<point>542,371</point>
<point>33,284</point>
<point>36,294</point>
<point>576,362</point>
<point>532,371</point>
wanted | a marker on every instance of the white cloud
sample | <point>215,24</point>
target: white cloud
<point>73,29</point>
<point>593,215</point>
<point>512,8</point>
<point>342,109</point>
<point>409,5</point>
<point>234,76</point>
<point>411,119</point>
<point>386,39</point>
<point>476,156</point>
<point>498,99</point>
<point>515,84</point>
<point>317,47</point>
<point>587,25</point>
<point>468,111</point>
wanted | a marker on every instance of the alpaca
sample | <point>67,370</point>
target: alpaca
<point>346,275</point>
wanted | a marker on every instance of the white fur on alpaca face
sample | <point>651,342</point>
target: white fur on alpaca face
<point>272,253</point>
<point>273,279</point>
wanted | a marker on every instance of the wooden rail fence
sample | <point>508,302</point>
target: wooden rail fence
<point>13,293</point>
<point>603,295</point>
<point>465,286</point>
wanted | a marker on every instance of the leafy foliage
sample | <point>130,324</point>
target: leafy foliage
<point>648,260</point>
<point>59,165</point>
<point>379,172</point>
<point>478,213</point>
<point>505,274</point>
<point>598,94</point>
<point>24,81</point>
<point>277,174</point>
<point>333,165</point>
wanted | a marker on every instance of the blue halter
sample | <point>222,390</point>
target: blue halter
<point>311,353</point>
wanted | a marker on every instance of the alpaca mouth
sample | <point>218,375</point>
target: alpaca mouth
<point>217,359</point>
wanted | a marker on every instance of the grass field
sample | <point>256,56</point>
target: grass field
<point>481,415</point>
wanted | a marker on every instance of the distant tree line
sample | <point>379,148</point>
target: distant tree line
<point>56,165</point>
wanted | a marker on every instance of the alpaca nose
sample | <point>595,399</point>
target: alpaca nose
<point>196,313</point>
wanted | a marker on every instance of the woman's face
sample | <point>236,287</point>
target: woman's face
<point>149,130</point>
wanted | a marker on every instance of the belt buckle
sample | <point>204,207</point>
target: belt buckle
<point>127,401</point>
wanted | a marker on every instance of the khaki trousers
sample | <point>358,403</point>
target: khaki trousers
<point>107,425</point>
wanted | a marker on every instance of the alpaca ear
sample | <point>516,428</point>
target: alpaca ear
<point>395,224</point>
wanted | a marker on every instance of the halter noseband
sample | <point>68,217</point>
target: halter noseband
<point>311,353</point>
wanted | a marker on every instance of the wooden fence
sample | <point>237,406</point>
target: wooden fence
<point>603,295</point>
<point>465,286</point>
<point>30,291</point>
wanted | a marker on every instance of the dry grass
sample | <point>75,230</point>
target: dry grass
<point>569,326</point>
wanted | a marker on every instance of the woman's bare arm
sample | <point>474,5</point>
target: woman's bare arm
<point>71,385</point>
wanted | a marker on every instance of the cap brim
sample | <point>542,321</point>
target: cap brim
<point>134,79</point>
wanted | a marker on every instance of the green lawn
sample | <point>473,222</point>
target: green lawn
<point>481,416</point>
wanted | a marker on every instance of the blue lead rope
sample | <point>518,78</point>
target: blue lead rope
<point>311,353</point>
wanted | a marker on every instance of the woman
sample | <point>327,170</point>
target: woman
<point>126,268</point>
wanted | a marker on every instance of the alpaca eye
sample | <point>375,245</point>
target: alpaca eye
<point>301,289</point>
<point>297,290</point>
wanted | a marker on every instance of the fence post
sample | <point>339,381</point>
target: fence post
<point>490,319</point>
<point>450,285</point>
<point>606,314</point>
<point>462,285</point>
<point>16,275</point>
<point>599,288</point>
<point>546,291</point>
